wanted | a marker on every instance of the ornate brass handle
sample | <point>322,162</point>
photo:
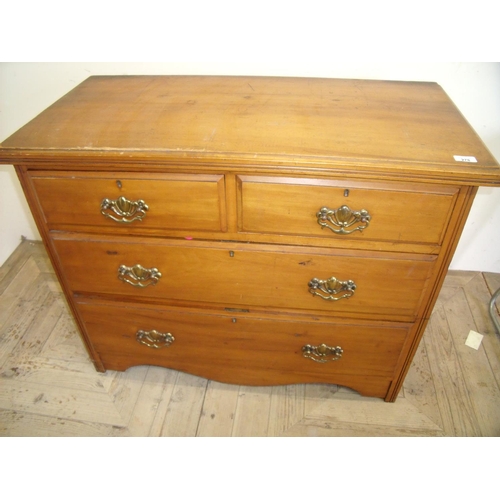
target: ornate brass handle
<point>343,218</point>
<point>322,353</point>
<point>126,210</point>
<point>154,339</point>
<point>138,275</point>
<point>332,288</point>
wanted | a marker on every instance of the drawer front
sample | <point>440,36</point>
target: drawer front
<point>249,276</point>
<point>243,350</point>
<point>133,203</point>
<point>396,212</point>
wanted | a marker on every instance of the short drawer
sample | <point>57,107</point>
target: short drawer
<point>344,210</point>
<point>132,203</point>
<point>246,350</point>
<point>249,276</point>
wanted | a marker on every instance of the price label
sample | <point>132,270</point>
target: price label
<point>466,159</point>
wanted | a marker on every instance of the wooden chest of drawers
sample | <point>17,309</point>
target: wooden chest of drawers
<point>255,231</point>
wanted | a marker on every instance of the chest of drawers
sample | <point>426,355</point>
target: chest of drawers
<point>254,231</point>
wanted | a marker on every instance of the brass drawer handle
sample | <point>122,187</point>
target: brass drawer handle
<point>343,218</point>
<point>332,288</point>
<point>322,353</point>
<point>126,210</point>
<point>138,275</point>
<point>154,339</point>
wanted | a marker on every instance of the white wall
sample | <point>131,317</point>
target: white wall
<point>26,89</point>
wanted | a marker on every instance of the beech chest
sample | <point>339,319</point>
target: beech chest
<point>254,231</point>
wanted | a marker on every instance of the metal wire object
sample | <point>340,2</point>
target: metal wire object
<point>493,314</point>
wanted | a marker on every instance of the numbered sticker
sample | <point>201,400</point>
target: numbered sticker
<point>466,159</point>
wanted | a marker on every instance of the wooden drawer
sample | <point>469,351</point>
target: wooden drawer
<point>396,212</point>
<point>245,350</point>
<point>245,275</point>
<point>174,201</point>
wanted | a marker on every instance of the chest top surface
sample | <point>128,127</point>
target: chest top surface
<point>381,126</point>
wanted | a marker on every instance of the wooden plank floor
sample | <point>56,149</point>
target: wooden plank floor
<point>48,386</point>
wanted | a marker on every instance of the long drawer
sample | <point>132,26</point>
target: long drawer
<point>136,203</point>
<point>246,350</point>
<point>357,284</point>
<point>344,209</point>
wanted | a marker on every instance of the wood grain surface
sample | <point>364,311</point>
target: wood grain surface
<point>405,127</point>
